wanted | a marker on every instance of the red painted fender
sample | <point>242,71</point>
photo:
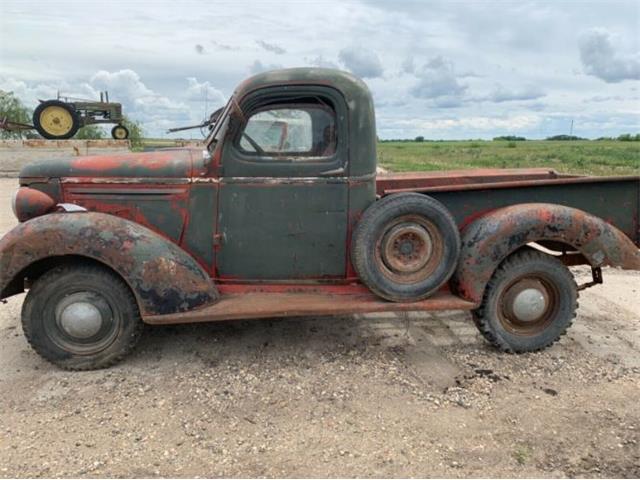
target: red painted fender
<point>164,278</point>
<point>491,238</point>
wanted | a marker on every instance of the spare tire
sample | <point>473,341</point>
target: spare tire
<point>405,247</point>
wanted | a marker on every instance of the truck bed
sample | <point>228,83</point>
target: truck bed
<point>470,193</point>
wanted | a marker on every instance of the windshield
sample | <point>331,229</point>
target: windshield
<point>214,136</point>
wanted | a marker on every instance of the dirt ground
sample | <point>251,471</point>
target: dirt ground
<point>418,395</point>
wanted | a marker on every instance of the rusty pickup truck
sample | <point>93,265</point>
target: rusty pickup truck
<point>282,214</point>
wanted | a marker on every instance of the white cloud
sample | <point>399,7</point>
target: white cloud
<point>197,91</point>
<point>481,123</point>
<point>437,81</point>
<point>502,94</point>
<point>271,47</point>
<point>601,60</point>
<point>258,67</point>
<point>362,62</point>
<point>320,61</point>
<point>420,59</point>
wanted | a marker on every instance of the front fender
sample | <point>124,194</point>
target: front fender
<point>163,277</point>
<point>490,239</point>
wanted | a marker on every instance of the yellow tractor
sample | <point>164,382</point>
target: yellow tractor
<point>63,117</point>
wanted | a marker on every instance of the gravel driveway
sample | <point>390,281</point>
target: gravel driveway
<point>372,396</point>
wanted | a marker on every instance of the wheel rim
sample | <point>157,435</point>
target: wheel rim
<point>409,249</point>
<point>85,322</point>
<point>528,305</point>
<point>56,120</point>
<point>120,133</point>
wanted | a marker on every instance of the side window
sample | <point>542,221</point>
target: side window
<point>290,131</point>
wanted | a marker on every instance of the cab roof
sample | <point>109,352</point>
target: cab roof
<point>345,82</point>
<point>362,129</point>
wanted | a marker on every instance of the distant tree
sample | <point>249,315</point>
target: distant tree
<point>509,138</point>
<point>12,108</point>
<point>90,132</point>
<point>627,137</point>
<point>565,138</point>
<point>136,133</point>
<point>419,138</point>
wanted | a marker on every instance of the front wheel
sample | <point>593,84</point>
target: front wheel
<point>120,132</point>
<point>528,304</point>
<point>81,317</point>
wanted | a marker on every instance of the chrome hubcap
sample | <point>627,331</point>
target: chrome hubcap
<point>529,305</point>
<point>78,317</point>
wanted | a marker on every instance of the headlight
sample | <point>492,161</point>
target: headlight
<point>29,203</point>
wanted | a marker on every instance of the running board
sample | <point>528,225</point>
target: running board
<point>269,305</point>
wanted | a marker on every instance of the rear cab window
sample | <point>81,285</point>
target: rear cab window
<point>294,132</point>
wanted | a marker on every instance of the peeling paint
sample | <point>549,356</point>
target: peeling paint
<point>163,277</point>
<point>491,238</point>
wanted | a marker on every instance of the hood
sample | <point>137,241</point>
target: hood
<point>166,163</point>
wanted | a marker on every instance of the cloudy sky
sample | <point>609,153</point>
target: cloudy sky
<point>441,69</point>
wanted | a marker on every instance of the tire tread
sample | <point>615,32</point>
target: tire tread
<point>484,324</point>
<point>100,272</point>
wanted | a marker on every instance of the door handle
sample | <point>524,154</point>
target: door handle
<point>335,171</point>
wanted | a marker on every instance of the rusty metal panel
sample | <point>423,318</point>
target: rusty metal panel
<point>170,163</point>
<point>162,276</point>
<point>266,305</point>
<point>389,183</point>
<point>162,208</point>
<point>362,193</point>
<point>614,201</point>
<point>282,230</point>
<point>491,238</point>
<point>198,238</point>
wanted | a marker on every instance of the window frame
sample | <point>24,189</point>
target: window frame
<point>293,155</point>
<point>234,163</point>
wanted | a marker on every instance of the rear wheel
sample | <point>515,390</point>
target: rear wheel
<point>528,304</point>
<point>81,317</point>
<point>405,247</point>
<point>56,120</point>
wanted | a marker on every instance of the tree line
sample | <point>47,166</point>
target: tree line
<point>625,137</point>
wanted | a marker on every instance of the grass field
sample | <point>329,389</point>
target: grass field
<point>588,157</point>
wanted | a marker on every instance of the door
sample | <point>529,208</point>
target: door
<point>283,203</point>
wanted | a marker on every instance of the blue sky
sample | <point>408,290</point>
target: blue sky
<point>448,69</point>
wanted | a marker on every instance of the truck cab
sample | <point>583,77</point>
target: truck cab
<point>281,213</point>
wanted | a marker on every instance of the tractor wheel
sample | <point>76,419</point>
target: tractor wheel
<point>56,120</point>
<point>120,132</point>
<point>528,304</point>
<point>405,247</point>
<point>81,317</point>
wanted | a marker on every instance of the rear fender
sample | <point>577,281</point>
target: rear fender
<point>490,239</point>
<point>162,276</point>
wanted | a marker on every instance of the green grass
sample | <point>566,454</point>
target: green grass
<point>583,157</point>
<point>522,454</point>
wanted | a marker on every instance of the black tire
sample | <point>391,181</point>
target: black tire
<point>46,309</point>
<point>45,128</point>
<point>120,132</point>
<point>393,256</point>
<point>539,324</point>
